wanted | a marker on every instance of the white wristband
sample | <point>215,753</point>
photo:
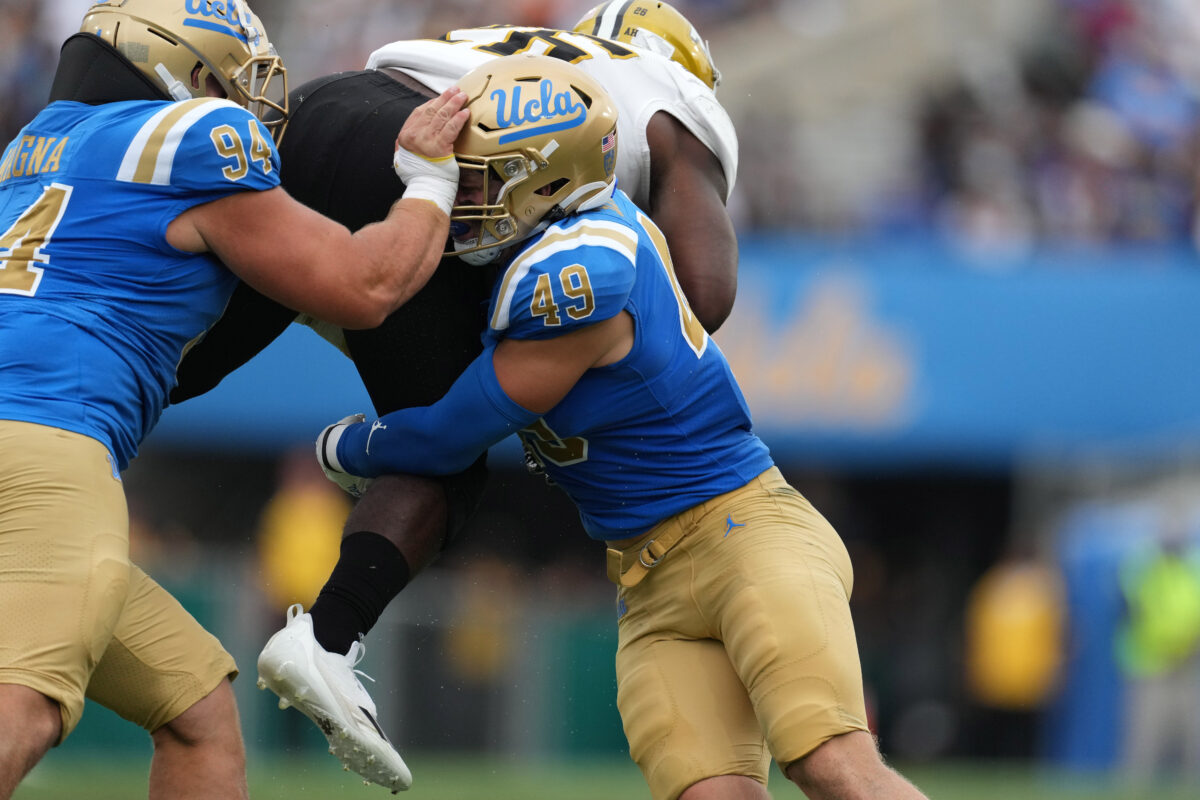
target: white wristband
<point>327,444</point>
<point>432,179</point>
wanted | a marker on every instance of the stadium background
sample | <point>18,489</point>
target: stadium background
<point>966,326</point>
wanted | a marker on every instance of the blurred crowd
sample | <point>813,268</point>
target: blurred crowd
<point>1085,132</point>
<point>1093,141</point>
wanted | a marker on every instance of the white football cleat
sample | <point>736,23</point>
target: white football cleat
<point>324,687</point>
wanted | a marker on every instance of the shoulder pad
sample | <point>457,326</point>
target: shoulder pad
<point>575,274</point>
<point>202,144</point>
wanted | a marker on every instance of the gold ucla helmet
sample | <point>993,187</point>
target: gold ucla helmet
<point>178,44</point>
<point>546,132</point>
<point>656,27</point>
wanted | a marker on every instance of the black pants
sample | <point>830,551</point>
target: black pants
<point>336,158</point>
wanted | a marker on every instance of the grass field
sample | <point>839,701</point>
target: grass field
<point>476,778</point>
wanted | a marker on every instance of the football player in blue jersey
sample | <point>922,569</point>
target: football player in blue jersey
<point>678,161</point>
<point>130,207</point>
<point>735,639</point>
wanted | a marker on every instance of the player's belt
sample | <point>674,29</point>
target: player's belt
<point>627,567</point>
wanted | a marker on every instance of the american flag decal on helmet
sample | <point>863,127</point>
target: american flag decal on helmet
<point>608,142</point>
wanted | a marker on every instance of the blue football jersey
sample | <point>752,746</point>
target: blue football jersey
<point>659,431</point>
<point>96,308</point>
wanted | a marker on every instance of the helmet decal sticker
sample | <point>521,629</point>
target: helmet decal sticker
<point>548,105</point>
<point>608,146</point>
<point>226,15</point>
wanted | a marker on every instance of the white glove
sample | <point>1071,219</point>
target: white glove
<point>327,444</point>
<point>432,179</point>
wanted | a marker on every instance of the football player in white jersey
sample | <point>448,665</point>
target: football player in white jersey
<point>679,148</point>
<point>129,208</point>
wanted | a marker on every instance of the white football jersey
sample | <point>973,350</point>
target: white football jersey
<point>640,83</point>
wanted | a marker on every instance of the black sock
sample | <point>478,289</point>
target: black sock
<point>370,571</point>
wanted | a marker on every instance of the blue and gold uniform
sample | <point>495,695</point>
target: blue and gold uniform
<point>659,431</point>
<point>96,310</point>
<point>733,590</point>
<point>632,443</point>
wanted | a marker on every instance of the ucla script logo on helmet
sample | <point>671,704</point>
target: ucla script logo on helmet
<point>222,16</point>
<point>561,110</point>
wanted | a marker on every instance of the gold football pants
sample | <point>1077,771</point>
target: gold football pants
<point>738,646</point>
<point>79,618</point>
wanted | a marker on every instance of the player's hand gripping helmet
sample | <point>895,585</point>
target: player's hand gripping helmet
<point>178,44</point>
<point>542,140</point>
<point>656,27</point>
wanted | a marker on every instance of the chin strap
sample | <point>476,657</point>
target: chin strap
<point>175,88</point>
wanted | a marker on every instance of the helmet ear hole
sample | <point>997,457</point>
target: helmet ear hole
<point>213,87</point>
<point>551,189</point>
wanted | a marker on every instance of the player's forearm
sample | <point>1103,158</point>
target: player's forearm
<point>316,266</point>
<point>711,296</point>
<point>441,439</point>
<point>400,255</point>
<point>704,250</point>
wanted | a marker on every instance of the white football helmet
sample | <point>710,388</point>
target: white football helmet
<point>178,44</point>
<point>543,138</point>
<point>653,26</point>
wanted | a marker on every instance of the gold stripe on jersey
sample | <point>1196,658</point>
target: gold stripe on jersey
<point>691,327</point>
<point>150,154</point>
<point>589,232</point>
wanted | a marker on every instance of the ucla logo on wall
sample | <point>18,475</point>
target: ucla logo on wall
<point>830,365</point>
<point>559,110</point>
<point>218,15</point>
